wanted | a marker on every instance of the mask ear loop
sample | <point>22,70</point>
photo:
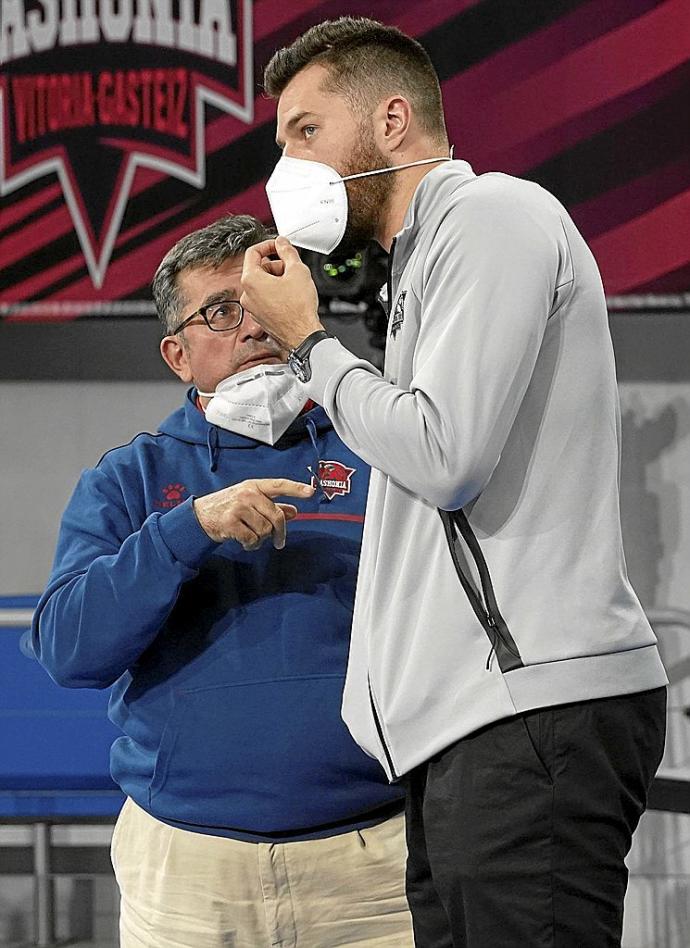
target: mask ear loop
<point>410,164</point>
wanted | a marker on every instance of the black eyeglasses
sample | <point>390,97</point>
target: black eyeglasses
<point>219,317</point>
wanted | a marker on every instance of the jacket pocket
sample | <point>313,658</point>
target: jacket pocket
<point>456,525</point>
<point>539,729</point>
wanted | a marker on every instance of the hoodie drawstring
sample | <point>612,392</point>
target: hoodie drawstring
<point>213,448</point>
<point>311,428</point>
<point>315,471</point>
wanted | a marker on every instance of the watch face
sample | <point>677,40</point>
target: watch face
<point>299,367</point>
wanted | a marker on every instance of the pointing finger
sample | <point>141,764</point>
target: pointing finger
<point>282,487</point>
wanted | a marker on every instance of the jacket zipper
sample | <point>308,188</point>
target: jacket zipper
<point>502,643</point>
<point>379,731</point>
<point>375,714</point>
<point>389,278</point>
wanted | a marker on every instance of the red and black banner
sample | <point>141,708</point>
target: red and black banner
<point>124,124</point>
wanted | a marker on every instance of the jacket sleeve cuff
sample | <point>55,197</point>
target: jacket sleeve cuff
<point>183,535</point>
<point>330,361</point>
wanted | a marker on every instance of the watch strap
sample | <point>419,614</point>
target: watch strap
<point>304,348</point>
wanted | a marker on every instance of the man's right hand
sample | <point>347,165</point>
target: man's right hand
<point>246,512</point>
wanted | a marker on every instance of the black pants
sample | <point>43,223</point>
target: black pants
<point>517,834</point>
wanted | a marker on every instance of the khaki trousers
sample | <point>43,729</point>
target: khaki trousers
<point>187,890</point>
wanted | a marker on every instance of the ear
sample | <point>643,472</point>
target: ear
<point>392,122</point>
<point>176,355</point>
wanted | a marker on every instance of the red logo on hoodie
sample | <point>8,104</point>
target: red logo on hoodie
<point>333,478</point>
<point>173,495</point>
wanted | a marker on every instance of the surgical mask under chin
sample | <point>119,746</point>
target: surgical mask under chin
<point>259,403</point>
<point>309,200</point>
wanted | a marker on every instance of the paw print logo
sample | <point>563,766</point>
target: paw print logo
<point>173,495</point>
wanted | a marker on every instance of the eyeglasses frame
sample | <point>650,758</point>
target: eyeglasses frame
<point>202,312</point>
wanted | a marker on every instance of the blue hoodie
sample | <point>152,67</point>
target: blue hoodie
<point>227,666</point>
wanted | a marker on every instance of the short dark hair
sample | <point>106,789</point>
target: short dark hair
<point>210,246</point>
<point>366,61</point>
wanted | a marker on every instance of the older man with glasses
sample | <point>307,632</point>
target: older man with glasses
<point>252,818</point>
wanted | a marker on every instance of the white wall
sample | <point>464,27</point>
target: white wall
<point>49,432</point>
<point>655,503</point>
<point>655,490</point>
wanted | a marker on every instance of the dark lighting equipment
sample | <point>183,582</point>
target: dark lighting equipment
<point>349,285</point>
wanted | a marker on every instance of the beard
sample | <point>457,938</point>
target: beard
<point>367,197</point>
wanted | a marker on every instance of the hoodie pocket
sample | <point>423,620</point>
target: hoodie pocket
<point>263,757</point>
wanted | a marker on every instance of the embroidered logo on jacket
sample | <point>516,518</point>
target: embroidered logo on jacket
<point>173,494</point>
<point>333,478</point>
<point>398,314</point>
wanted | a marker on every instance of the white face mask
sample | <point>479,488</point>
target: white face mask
<point>259,403</point>
<point>309,200</point>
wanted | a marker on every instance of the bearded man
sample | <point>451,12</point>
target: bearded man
<point>501,666</point>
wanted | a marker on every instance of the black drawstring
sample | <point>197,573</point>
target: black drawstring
<point>213,449</point>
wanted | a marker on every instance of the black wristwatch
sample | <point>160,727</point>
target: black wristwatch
<point>298,358</point>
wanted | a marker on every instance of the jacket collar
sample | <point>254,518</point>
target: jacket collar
<point>429,202</point>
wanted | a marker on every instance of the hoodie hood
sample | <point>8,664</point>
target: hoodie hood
<point>189,424</point>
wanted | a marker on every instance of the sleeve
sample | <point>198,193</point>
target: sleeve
<point>486,293</point>
<point>112,587</point>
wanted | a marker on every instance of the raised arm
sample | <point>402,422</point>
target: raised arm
<point>114,582</point>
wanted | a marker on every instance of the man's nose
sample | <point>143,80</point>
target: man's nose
<point>250,328</point>
<point>295,149</point>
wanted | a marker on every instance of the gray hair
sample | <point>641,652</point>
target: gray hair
<point>211,246</point>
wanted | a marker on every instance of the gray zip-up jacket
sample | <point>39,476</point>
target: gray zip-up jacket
<point>498,397</point>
